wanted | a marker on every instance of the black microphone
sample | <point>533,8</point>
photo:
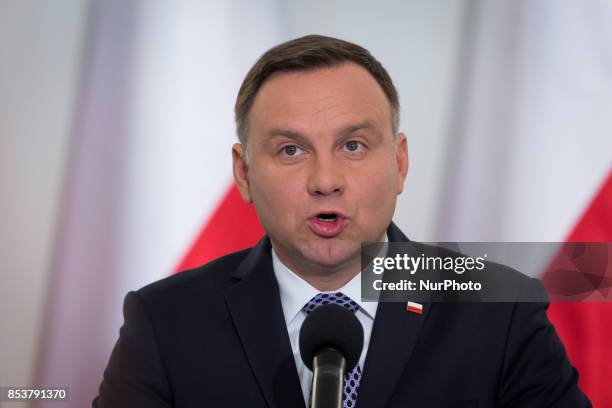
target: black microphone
<point>331,339</point>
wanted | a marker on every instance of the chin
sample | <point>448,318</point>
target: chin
<point>331,254</point>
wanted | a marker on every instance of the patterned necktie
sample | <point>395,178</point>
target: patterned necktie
<point>351,380</point>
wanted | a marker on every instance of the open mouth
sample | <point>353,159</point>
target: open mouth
<point>327,217</point>
<point>328,224</point>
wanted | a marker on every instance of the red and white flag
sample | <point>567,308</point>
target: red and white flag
<point>149,187</point>
<point>533,152</point>
<point>414,307</point>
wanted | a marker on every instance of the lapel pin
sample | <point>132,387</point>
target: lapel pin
<point>414,307</point>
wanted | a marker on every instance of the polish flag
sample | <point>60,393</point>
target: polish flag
<point>149,186</point>
<point>533,148</point>
<point>414,307</point>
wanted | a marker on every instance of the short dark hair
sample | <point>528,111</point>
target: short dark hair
<point>305,54</point>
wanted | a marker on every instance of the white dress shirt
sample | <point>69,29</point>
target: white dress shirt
<point>295,293</point>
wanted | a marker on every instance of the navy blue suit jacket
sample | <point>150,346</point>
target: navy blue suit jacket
<point>215,336</point>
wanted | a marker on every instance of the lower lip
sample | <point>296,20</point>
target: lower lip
<point>327,229</point>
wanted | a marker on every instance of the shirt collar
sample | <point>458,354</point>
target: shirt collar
<point>295,292</point>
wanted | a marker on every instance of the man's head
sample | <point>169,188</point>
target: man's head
<point>306,54</point>
<point>325,162</point>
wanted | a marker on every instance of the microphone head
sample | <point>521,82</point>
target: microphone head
<point>331,326</point>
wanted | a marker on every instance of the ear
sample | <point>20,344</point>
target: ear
<point>401,160</point>
<point>241,172</point>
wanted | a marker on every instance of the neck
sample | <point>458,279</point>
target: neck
<point>324,278</point>
<point>330,280</point>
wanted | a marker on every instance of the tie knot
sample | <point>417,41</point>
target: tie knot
<point>337,298</point>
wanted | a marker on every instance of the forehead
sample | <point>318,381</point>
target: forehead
<point>323,98</point>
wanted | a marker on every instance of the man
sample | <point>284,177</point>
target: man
<point>321,158</point>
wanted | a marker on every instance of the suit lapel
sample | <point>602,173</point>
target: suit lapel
<point>255,307</point>
<point>394,336</point>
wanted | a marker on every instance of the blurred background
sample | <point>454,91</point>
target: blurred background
<point>116,122</point>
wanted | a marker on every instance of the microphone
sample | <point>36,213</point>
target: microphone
<point>331,340</point>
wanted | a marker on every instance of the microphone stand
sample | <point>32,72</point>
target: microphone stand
<point>329,366</point>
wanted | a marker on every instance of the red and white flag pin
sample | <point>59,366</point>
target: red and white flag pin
<point>414,307</point>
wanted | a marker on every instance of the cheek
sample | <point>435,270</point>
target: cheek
<point>275,194</point>
<point>379,193</point>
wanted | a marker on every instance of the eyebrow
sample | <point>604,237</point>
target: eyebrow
<point>347,130</point>
<point>297,136</point>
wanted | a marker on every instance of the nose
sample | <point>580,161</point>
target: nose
<point>326,177</point>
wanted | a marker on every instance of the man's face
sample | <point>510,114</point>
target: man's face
<point>324,170</point>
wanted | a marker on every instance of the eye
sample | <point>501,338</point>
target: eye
<point>291,150</point>
<point>353,146</point>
